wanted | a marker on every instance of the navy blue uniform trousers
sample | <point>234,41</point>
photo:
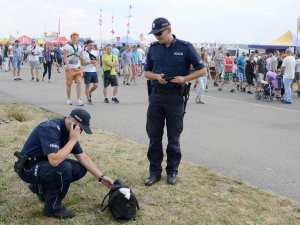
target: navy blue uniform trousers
<point>169,109</point>
<point>55,181</point>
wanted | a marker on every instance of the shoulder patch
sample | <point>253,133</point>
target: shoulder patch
<point>183,42</point>
<point>154,43</point>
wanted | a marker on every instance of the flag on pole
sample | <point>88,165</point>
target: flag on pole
<point>298,25</point>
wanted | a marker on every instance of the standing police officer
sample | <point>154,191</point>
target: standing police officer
<point>48,170</point>
<point>167,66</point>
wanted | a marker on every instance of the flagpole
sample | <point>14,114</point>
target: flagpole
<point>112,27</point>
<point>100,24</point>
<point>128,24</point>
<point>298,29</point>
<point>58,27</point>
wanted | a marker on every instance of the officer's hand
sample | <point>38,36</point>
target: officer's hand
<point>160,78</point>
<point>178,80</point>
<point>74,132</point>
<point>107,181</point>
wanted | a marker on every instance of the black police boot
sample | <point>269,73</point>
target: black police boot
<point>152,179</point>
<point>37,189</point>
<point>61,214</point>
<point>172,179</point>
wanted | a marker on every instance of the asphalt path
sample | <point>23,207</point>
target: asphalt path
<point>232,133</point>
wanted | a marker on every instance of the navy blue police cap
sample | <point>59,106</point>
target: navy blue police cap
<point>159,24</point>
<point>84,118</point>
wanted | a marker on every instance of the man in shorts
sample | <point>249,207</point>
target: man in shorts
<point>17,59</point>
<point>72,57</point>
<point>219,65</point>
<point>227,71</point>
<point>241,74</point>
<point>89,63</point>
<point>126,60</point>
<point>33,52</point>
<point>110,62</point>
<point>59,56</point>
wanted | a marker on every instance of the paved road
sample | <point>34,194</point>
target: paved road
<point>232,133</point>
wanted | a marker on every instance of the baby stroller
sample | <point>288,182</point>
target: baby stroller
<point>268,88</point>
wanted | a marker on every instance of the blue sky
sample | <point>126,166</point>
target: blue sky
<point>238,21</point>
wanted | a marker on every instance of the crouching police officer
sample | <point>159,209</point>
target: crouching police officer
<point>47,168</point>
<point>167,66</point>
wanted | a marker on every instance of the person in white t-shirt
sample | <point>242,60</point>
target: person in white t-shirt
<point>89,62</point>
<point>288,71</point>
<point>10,55</point>
<point>269,62</point>
<point>297,73</point>
<point>72,58</point>
<point>41,60</point>
<point>33,52</point>
<point>142,55</point>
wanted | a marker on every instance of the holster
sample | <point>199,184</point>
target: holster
<point>149,87</point>
<point>186,93</point>
<point>20,163</point>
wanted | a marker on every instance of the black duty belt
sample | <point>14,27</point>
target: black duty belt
<point>37,159</point>
<point>166,91</point>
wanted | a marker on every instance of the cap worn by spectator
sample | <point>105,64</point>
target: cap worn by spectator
<point>159,24</point>
<point>74,34</point>
<point>84,118</point>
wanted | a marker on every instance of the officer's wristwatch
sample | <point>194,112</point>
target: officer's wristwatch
<point>100,178</point>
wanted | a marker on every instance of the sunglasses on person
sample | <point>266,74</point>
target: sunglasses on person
<point>160,32</point>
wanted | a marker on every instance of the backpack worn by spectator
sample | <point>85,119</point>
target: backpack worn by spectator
<point>121,202</point>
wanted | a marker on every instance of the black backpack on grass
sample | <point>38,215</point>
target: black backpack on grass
<point>121,202</point>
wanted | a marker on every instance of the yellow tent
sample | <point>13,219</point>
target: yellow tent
<point>4,40</point>
<point>41,42</point>
<point>284,40</point>
<point>287,40</point>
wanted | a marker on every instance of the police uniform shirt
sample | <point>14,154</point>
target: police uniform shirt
<point>172,61</point>
<point>48,137</point>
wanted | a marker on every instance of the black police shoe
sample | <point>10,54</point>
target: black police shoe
<point>152,179</point>
<point>61,214</point>
<point>172,179</point>
<point>34,188</point>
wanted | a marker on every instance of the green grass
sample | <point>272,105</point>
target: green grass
<point>201,196</point>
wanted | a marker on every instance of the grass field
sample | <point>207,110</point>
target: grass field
<point>201,196</point>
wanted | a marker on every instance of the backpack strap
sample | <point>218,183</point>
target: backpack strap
<point>137,203</point>
<point>92,57</point>
<point>75,50</point>
<point>102,209</point>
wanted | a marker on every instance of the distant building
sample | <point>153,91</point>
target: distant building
<point>51,36</point>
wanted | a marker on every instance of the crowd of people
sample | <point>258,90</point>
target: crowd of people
<point>82,61</point>
<point>13,55</point>
<point>244,72</point>
<point>249,71</point>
